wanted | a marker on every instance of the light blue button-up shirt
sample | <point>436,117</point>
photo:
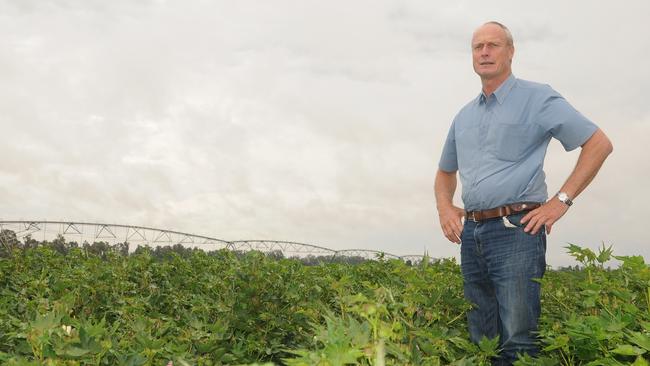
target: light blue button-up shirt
<point>498,142</point>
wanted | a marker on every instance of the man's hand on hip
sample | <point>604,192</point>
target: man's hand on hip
<point>451,222</point>
<point>546,215</point>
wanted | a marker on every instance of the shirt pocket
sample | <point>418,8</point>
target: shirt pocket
<point>509,142</point>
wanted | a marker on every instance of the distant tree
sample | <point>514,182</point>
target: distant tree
<point>121,248</point>
<point>59,244</point>
<point>8,242</point>
<point>141,249</point>
<point>30,242</point>
<point>348,259</point>
<point>98,248</point>
<point>163,252</point>
<point>275,254</point>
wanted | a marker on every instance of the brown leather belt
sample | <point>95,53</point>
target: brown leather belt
<point>501,211</point>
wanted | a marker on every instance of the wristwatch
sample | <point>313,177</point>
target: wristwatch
<point>564,198</point>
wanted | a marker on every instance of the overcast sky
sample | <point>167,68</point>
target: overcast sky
<point>312,121</point>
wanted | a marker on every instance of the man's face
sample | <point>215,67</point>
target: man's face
<point>491,53</point>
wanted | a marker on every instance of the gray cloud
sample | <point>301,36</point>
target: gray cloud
<point>309,121</point>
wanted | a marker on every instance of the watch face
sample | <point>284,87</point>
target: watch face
<point>563,197</point>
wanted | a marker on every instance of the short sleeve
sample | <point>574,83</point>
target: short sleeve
<point>564,122</point>
<point>449,158</point>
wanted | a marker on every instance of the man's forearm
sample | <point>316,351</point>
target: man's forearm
<point>445,187</point>
<point>593,154</point>
<point>450,215</point>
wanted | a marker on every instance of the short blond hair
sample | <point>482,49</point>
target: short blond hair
<point>509,38</point>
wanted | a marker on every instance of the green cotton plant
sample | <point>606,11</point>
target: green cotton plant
<point>339,342</point>
<point>41,333</point>
<point>362,335</point>
<point>595,314</point>
<point>376,314</point>
<point>104,307</point>
<point>54,336</point>
<point>393,339</point>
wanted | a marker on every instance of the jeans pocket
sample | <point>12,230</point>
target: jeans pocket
<point>507,223</point>
<point>514,220</point>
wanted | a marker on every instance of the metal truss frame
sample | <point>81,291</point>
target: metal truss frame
<point>141,235</point>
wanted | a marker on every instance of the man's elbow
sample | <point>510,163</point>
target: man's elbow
<point>607,146</point>
<point>601,143</point>
<point>610,147</point>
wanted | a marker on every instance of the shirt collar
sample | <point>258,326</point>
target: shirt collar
<point>502,91</point>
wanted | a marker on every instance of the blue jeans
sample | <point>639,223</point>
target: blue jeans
<point>499,262</point>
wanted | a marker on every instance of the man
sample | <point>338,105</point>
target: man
<point>497,143</point>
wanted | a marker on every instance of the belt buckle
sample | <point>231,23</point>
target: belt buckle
<point>470,215</point>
